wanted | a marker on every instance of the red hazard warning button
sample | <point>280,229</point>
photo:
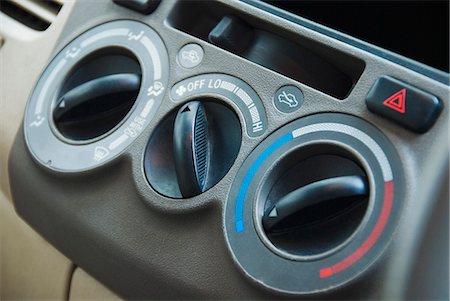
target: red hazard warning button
<point>397,101</point>
<point>407,105</point>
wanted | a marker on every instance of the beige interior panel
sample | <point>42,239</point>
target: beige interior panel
<point>30,267</point>
<point>85,287</point>
<point>23,57</point>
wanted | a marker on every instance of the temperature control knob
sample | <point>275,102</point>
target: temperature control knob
<point>315,204</point>
<point>335,189</point>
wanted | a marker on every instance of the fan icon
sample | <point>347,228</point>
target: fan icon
<point>181,90</point>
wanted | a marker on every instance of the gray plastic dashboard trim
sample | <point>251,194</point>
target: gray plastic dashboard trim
<point>110,222</point>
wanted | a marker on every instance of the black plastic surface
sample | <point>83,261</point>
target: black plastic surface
<point>95,107</point>
<point>142,6</point>
<point>191,151</point>
<point>193,148</point>
<point>397,27</point>
<point>327,190</point>
<point>232,34</point>
<point>404,104</point>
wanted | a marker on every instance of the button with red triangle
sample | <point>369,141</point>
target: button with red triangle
<point>404,104</point>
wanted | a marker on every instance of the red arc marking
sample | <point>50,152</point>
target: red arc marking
<point>397,101</point>
<point>370,241</point>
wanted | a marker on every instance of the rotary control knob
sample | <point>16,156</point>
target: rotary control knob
<point>192,149</point>
<point>96,96</point>
<point>328,190</point>
<point>311,212</point>
<point>315,204</point>
<point>93,108</point>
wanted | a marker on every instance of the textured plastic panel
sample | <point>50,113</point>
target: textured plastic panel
<point>110,221</point>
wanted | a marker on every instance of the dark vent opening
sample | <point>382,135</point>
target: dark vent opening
<point>29,19</point>
<point>54,6</point>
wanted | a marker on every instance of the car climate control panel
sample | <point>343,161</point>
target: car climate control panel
<point>214,149</point>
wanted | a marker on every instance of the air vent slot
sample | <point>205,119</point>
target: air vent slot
<point>36,14</point>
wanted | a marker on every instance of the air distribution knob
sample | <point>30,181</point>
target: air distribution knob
<point>193,148</point>
<point>95,107</point>
<point>97,95</point>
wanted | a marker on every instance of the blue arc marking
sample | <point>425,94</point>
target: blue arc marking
<point>239,207</point>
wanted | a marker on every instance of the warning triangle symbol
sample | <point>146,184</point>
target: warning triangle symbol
<point>397,101</point>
